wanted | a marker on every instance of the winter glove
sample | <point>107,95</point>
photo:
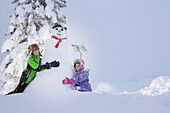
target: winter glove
<point>48,65</point>
<point>68,81</point>
<point>55,63</point>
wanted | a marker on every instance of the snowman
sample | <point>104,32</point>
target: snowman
<point>57,47</point>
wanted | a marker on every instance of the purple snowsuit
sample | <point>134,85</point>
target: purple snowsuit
<point>81,81</point>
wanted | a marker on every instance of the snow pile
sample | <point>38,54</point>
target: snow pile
<point>158,86</point>
<point>105,88</point>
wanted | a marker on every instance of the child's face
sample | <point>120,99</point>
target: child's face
<point>76,67</point>
<point>36,52</point>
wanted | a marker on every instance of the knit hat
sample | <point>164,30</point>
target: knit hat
<point>32,48</point>
<point>58,25</point>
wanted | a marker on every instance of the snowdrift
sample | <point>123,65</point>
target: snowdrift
<point>158,86</point>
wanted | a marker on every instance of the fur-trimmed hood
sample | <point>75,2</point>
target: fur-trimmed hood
<point>81,62</point>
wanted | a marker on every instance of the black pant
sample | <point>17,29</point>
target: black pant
<point>22,83</point>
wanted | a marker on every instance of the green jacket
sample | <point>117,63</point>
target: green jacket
<point>34,66</point>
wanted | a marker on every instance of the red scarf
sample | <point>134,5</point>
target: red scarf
<point>60,40</point>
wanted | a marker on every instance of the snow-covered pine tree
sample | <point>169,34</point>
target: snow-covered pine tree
<point>30,24</point>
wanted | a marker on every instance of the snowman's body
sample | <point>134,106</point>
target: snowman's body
<point>52,79</point>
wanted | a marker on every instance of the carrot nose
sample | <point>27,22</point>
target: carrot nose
<point>59,31</point>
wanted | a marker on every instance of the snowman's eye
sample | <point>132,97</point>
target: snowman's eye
<point>56,29</point>
<point>62,29</point>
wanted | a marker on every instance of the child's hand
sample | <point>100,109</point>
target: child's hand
<point>68,81</point>
<point>55,64</point>
<point>47,65</point>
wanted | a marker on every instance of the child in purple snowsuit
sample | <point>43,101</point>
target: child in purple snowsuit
<point>80,80</point>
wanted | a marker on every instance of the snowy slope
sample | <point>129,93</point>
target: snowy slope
<point>74,102</point>
<point>107,99</point>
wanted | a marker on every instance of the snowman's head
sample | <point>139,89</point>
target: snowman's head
<point>59,31</point>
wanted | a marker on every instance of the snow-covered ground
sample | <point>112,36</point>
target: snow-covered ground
<point>74,102</point>
<point>105,99</point>
<point>129,69</point>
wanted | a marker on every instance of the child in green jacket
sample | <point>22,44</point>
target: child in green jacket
<point>34,65</point>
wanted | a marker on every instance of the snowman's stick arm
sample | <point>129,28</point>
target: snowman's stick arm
<point>80,55</point>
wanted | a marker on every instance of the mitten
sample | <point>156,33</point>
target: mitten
<point>47,65</point>
<point>55,63</point>
<point>68,81</point>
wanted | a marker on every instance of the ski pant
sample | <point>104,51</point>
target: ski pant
<point>84,86</point>
<point>22,83</point>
